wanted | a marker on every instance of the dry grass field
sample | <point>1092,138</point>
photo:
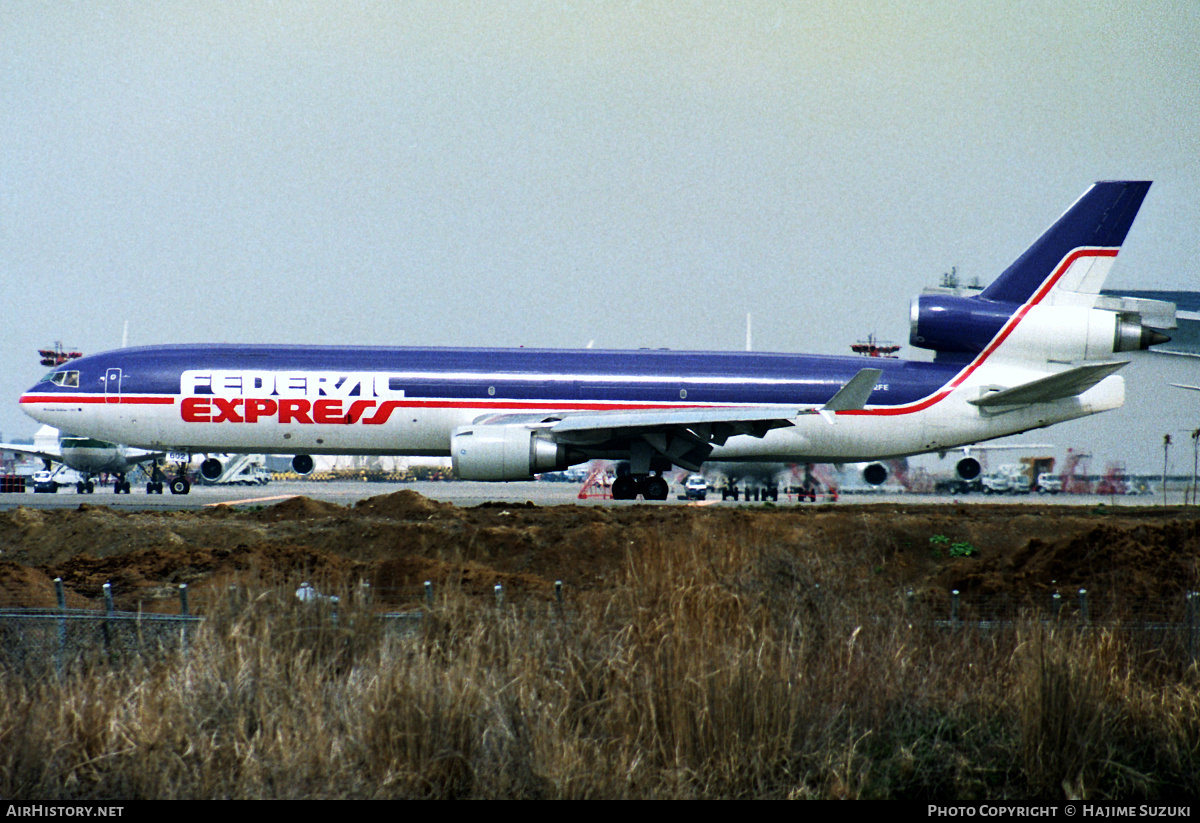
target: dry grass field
<point>734,652</point>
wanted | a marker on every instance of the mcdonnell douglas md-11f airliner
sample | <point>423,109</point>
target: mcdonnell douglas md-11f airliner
<point>1032,349</point>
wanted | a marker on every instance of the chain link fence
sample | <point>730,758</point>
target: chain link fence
<point>52,640</point>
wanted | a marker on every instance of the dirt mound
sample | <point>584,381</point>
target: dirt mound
<point>397,541</point>
<point>148,580</point>
<point>24,588</point>
<point>297,508</point>
<point>1138,560</point>
<point>406,578</point>
<point>402,505</point>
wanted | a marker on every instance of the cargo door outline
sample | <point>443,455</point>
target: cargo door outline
<point>111,377</point>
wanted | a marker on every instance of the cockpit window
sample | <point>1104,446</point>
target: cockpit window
<point>70,379</point>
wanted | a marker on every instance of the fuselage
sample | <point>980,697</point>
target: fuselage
<point>348,400</point>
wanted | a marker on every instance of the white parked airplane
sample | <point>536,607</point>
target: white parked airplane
<point>89,457</point>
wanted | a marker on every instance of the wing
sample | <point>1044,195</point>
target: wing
<point>685,437</point>
<point>139,456</point>
<point>53,457</point>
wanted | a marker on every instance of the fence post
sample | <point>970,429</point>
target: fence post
<point>1083,606</point>
<point>183,612</point>
<point>108,610</point>
<point>954,606</point>
<point>428,594</point>
<point>1192,601</point>
<point>1055,605</point>
<point>60,596</point>
<point>499,596</point>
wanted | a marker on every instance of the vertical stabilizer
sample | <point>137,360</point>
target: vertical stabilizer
<point>1097,223</point>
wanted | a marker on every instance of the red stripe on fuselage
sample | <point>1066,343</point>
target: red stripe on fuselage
<point>162,400</point>
<point>411,404</point>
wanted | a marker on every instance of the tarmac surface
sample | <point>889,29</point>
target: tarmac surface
<point>468,493</point>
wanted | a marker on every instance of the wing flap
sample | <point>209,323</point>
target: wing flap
<point>685,437</point>
<point>751,419</point>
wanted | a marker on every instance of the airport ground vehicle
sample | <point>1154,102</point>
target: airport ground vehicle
<point>695,487</point>
<point>1006,480</point>
<point>44,482</point>
<point>1048,483</point>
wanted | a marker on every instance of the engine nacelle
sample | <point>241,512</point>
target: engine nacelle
<point>968,468</point>
<point>211,468</point>
<point>950,323</point>
<point>875,474</point>
<point>302,464</point>
<point>506,453</point>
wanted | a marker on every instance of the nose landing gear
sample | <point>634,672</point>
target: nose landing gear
<point>178,484</point>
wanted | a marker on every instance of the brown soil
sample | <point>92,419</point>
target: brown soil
<point>395,542</point>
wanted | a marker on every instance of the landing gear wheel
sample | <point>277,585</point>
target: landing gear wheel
<point>180,486</point>
<point>655,488</point>
<point>624,488</point>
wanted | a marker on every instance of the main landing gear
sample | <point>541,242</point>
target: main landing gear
<point>88,485</point>
<point>628,487</point>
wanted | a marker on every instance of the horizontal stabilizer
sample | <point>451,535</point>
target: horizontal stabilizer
<point>1048,389</point>
<point>853,396</point>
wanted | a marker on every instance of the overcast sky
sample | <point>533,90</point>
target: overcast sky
<point>553,173</point>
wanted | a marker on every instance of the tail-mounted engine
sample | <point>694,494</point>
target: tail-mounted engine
<point>499,452</point>
<point>948,323</point>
